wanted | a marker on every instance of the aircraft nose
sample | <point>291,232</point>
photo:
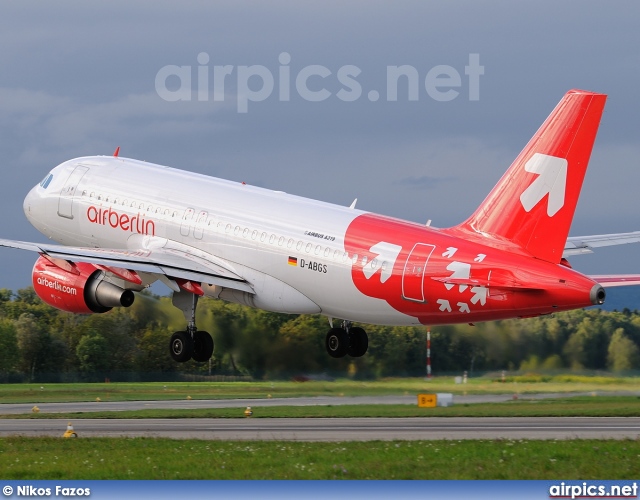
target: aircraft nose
<point>32,205</point>
<point>28,204</point>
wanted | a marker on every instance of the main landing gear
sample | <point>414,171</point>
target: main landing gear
<point>351,340</point>
<point>189,344</point>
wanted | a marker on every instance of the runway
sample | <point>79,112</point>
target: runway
<point>92,406</point>
<point>183,404</point>
<point>315,429</point>
<point>337,429</point>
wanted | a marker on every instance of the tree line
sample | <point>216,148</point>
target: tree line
<point>40,343</point>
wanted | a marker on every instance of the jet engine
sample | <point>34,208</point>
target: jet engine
<point>77,288</point>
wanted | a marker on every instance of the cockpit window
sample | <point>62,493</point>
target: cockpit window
<point>45,182</point>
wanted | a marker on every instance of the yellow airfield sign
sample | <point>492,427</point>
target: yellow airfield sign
<point>427,400</point>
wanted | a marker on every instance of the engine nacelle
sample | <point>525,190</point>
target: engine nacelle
<point>81,289</point>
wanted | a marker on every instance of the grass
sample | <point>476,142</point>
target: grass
<point>24,458</point>
<point>41,393</point>
<point>586,406</point>
<point>147,458</point>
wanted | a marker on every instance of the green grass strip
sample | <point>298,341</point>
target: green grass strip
<point>147,458</point>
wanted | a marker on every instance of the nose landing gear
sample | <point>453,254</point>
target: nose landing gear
<point>192,343</point>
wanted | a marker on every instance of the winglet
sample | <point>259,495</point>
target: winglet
<point>116,152</point>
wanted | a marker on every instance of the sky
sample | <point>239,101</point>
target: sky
<point>308,102</point>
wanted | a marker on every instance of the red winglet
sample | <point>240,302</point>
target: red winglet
<point>116,152</point>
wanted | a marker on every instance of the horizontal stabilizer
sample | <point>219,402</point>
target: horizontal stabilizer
<point>577,245</point>
<point>506,284</point>
<point>610,280</point>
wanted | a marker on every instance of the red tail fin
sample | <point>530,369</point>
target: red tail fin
<point>534,202</point>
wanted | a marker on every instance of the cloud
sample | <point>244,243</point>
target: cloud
<point>41,125</point>
<point>78,79</point>
<point>23,109</point>
<point>424,182</point>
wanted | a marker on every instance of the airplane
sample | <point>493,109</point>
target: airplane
<point>123,224</point>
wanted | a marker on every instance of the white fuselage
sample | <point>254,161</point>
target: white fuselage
<point>137,223</point>
<point>110,202</point>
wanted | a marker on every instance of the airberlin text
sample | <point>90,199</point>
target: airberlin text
<point>32,491</point>
<point>124,222</point>
<point>57,286</point>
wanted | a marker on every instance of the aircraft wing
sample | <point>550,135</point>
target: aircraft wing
<point>173,262</point>
<point>577,245</point>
